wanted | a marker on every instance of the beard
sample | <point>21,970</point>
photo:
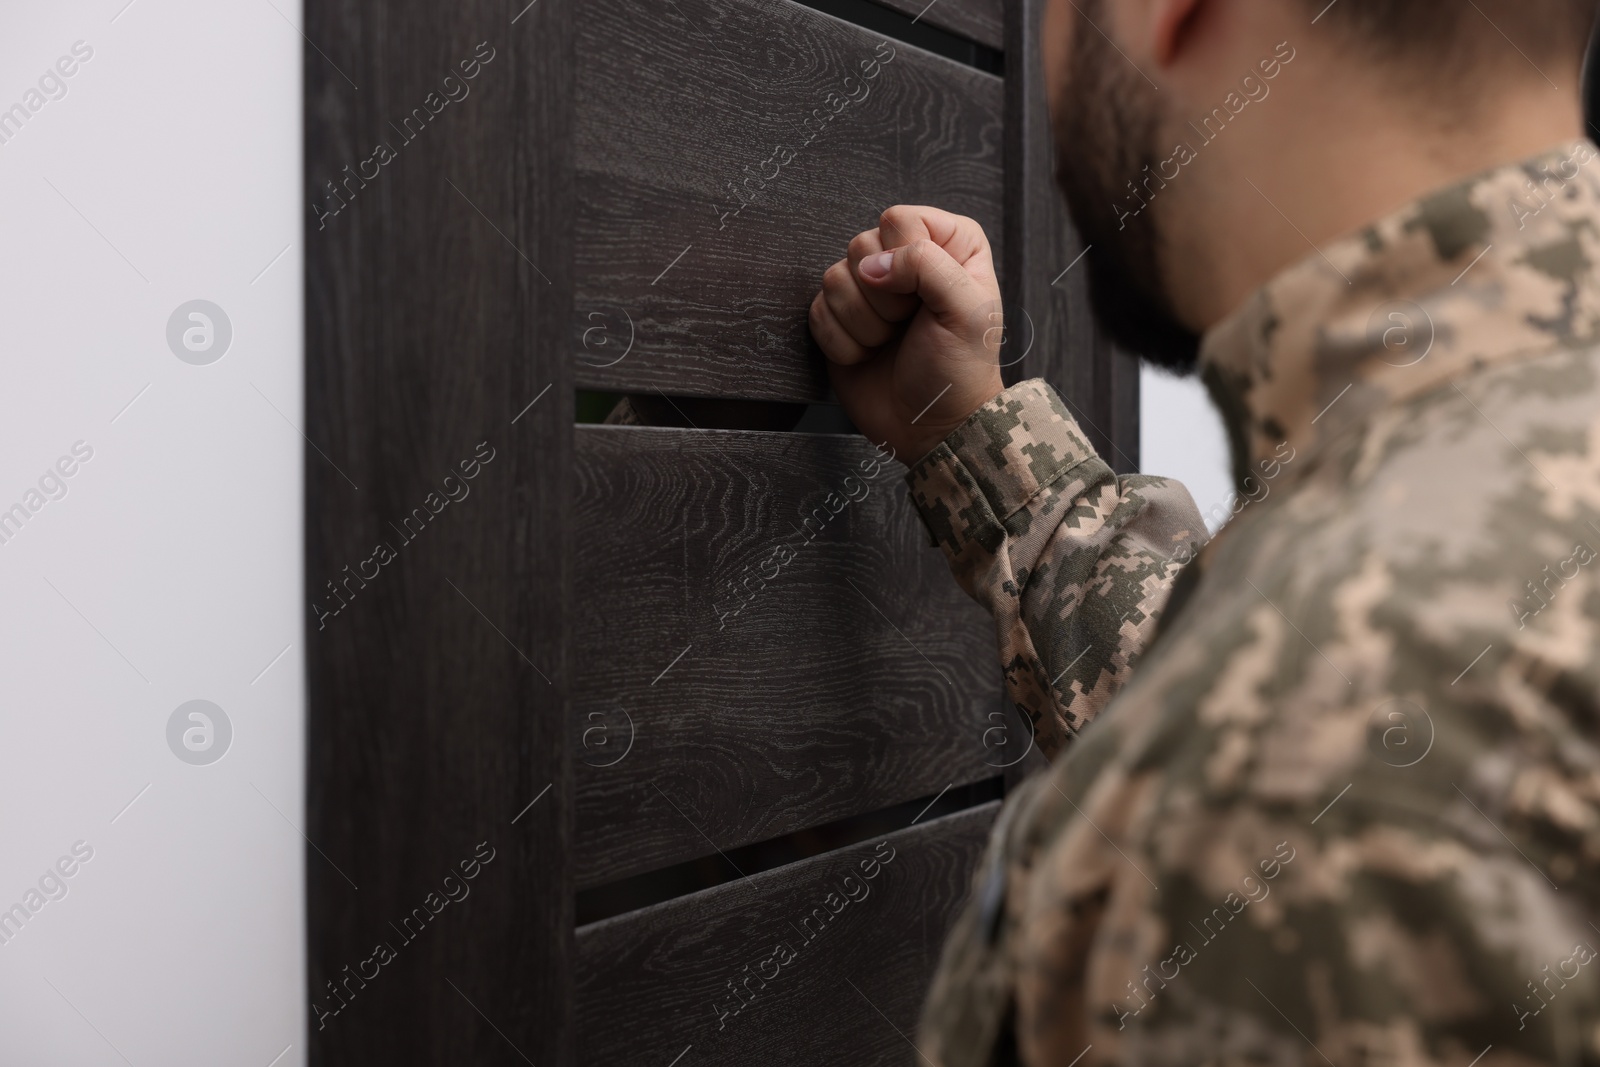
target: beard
<point>1105,130</point>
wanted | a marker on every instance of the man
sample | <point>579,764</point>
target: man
<point>1346,808</point>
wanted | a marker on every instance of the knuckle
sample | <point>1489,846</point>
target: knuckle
<point>857,322</point>
<point>895,218</point>
<point>836,299</point>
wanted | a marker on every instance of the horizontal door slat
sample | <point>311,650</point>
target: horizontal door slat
<point>707,970</point>
<point>727,150</point>
<point>767,643</point>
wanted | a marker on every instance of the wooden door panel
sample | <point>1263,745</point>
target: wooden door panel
<point>438,664</point>
<point>660,980</point>
<point>727,150</point>
<point>765,662</point>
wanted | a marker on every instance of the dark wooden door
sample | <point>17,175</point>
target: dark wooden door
<point>664,744</point>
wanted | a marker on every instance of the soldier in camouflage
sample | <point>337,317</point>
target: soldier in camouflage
<point>1344,807</point>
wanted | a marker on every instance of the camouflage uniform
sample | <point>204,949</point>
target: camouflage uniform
<point>1347,808</point>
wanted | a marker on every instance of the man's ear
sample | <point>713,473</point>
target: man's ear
<point>1170,24</point>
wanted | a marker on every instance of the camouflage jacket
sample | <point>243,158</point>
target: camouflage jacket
<point>1347,808</point>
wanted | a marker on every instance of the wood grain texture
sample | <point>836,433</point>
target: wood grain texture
<point>853,982</point>
<point>856,675</point>
<point>1048,311</point>
<point>430,724</point>
<point>679,103</point>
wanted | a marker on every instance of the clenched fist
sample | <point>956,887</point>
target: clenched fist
<point>910,323</point>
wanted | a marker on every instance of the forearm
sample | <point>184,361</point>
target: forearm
<point>1072,562</point>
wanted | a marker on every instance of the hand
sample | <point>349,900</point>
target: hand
<point>910,323</point>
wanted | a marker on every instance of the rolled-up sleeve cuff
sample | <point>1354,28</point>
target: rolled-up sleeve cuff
<point>993,464</point>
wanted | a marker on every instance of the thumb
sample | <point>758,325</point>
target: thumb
<point>927,270</point>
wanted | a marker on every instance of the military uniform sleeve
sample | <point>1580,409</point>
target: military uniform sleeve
<point>1072,561</point>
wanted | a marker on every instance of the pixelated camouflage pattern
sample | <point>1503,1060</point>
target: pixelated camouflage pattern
<point>1347,809</point>
<point>1072,561</point>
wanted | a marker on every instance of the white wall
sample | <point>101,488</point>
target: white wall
<point>171,568</point>
<point>1181,436</point>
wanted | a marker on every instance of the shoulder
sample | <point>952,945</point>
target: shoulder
<point>1440,566</point>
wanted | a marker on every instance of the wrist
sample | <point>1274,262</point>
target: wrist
<point>924,437</point>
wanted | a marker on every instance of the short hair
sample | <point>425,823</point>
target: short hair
<point>1453,31</point>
